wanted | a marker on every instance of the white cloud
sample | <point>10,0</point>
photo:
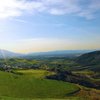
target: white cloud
<point>9,8</point>
<point>13,8</point>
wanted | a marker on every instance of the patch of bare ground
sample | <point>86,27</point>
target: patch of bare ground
<point>88,93</point>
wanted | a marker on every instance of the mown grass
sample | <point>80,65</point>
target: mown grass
<point>31,84</point>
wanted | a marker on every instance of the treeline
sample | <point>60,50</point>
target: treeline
<point>80,79</point>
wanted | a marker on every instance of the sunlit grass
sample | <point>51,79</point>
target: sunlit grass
<point>35,73</point>
<point>29,86</point>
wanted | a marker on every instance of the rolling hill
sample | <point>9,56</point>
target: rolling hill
<point>90,61</point>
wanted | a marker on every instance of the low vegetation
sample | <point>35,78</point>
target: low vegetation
<point>28,85</point>
<point>50,78</point>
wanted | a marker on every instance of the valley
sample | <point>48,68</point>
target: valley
<point>50,78</point>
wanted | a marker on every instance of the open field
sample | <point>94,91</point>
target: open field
<point>29,86</point>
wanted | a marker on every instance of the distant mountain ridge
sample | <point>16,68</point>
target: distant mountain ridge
<point>73,53</point>
<point>61,53</point>
<point>8,54</point>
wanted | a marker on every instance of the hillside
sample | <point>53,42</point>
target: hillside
<point>8,54</point>
<point>31,84</point>
<point>90,61</point>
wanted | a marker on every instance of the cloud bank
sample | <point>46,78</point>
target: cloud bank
<point>82,8</point>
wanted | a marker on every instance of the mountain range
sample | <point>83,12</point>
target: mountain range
<point>67,53</point>
<point>9,54</point>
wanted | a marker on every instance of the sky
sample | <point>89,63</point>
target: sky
<point>47,25</point>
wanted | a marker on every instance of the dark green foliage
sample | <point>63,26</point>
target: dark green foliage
<point>75,78</point>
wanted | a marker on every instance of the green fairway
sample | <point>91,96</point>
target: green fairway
<point>29,86</point>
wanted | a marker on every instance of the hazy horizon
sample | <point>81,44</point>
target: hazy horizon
<point>60,50</point>
<point>49,25</point>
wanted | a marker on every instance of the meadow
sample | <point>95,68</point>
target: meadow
<point>50,78</point>
<point>31,84</point>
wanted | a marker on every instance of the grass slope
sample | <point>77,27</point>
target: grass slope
<point>28,85</point>
<point>90,61</point>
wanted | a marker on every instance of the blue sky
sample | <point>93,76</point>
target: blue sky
<point>45,25</point>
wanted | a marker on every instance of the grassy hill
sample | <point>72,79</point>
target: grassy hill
<point>90,61</point>
<point>31,84</point>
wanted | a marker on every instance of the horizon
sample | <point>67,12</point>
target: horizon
<point>90,50</point>
<point>49,25</point>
